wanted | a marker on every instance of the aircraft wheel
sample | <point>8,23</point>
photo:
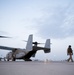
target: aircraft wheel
<point>7,59</point>
<point>28,60</point>
<point>13,59</point>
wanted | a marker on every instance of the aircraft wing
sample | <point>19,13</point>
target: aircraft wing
<point>35,49</point>
<point>6,48</point>
<point>46,48</point>
<point>41,48</point>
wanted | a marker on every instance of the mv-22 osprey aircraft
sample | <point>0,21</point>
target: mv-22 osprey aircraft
<point>26,54</point>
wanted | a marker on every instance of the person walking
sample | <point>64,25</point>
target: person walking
<point>70,53</point>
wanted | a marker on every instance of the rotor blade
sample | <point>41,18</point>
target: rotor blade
<point>37,43</point>
<point>34,42</point>
<point>24,40</point>
<point>6,48</point>
<point>41,43</point>
<point>4,37</point>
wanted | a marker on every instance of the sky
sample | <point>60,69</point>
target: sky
<point>45,19</point>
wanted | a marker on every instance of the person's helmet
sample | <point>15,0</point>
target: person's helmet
<point>69,45</point>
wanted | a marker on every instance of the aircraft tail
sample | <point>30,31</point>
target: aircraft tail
<point>47,45</point>
<point>29,43</point>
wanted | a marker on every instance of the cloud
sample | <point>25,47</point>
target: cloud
<point>57,21</point>
<point>47,18</point>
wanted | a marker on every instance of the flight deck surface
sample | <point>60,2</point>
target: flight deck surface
<point>36,68</point>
